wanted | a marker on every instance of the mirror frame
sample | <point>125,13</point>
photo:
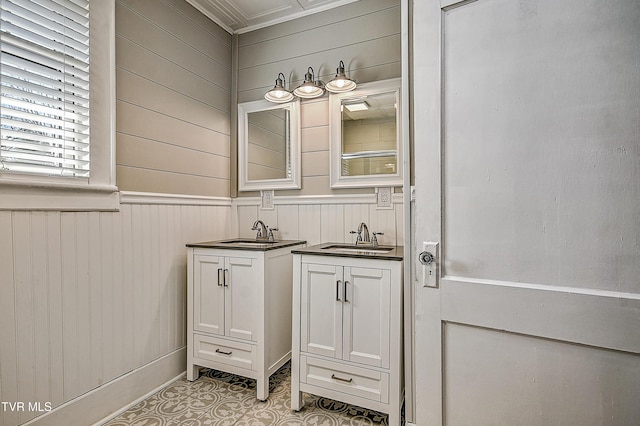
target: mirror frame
<point>244,184</point>
<point>335,130</point>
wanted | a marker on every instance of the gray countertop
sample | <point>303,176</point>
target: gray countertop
<point>248,244</point>
<point>382,252</point>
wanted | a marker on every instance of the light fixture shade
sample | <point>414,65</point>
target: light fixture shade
<point>309,88</point>
<point>279,94</point>
<point>340,83</point>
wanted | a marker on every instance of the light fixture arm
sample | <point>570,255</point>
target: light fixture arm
<point>309,76</point>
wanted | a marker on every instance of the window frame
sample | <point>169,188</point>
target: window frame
<point>99,192</point>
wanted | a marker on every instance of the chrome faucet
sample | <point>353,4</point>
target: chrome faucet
<point>259,226</point>
<point>270,235</point>
<point>374,239</point>
<point>363,234</point>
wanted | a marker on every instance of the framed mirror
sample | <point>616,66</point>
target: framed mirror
<point>366,139</point>
<point>268,145</point>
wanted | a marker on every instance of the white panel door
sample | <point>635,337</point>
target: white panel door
<point>321,300</point>
<point>527,153</point>
<point>242,282</point>
<point>366,311</point>
<point>208,290</point>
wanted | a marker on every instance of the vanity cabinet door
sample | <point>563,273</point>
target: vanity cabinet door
<point>208,294</point>
<point>367,316</point>
<point>241,286</point>
<point>321,296</point>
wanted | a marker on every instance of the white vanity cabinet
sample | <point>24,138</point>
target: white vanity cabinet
<point>347,330</point>
<point>221,306</point>
<point>239,309</point>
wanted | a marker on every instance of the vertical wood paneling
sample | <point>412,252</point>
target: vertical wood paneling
<point>8,334</point>
<point>382,220</point>
<point>155,308</point>
<point>92,296</point>
<point>40,307</point>
<point>246,216</point>
<point>106,229</point>
<point>332,227</point>
<point>129,288</point>
<point>288,222</point>
<point>144,340</point>
<point>309,224</point>
<point>25,323</point>
<point>164,253</point>
<point>111,229</point>
<point>87,297</point>
<point>55,302</point>
<point>137,285</point>
<point>172,277</point>
<point>69,306</point>
<point>96,340</point>
<point>81,267</point>
<point>269,217</point>
<point>318,223</point>
<point>400,237</point>
<point>354,214</point>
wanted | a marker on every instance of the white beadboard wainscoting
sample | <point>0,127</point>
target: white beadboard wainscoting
<point>92,304</point>
<point>323,218</point>
<point>90,297</point>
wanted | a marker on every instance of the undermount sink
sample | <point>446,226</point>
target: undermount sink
<point>350,248</point>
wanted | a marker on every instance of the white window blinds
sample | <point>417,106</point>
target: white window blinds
<point>44,67</point>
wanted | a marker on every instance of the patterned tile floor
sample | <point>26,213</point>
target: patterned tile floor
<point>220,399</point>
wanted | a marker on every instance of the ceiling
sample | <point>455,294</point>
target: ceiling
<point>241,16</point>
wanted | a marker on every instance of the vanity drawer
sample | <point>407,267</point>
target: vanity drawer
<point>348,379</point>
<point>224,351</point>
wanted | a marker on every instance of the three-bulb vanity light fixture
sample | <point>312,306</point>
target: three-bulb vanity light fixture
<point>310,88</point>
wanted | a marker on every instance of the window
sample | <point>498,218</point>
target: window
<point>57,118</point>
<point>44,121</point>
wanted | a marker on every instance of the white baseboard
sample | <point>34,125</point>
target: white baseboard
<point>113,398</point>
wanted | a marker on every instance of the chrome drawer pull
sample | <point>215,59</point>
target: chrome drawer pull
<point>333,376</point>
<point>218,351</point>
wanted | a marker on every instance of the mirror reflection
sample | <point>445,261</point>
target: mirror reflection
<point>369,138</point>
<point>366,138</point>
<point>268,145</point>
<point>268,154</point>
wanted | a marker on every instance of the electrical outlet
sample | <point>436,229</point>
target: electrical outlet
<point>267,200</point>
<point>384,197</point>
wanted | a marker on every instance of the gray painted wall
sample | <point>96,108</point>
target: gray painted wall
<point>365,35</point>
<point>173,99</point>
